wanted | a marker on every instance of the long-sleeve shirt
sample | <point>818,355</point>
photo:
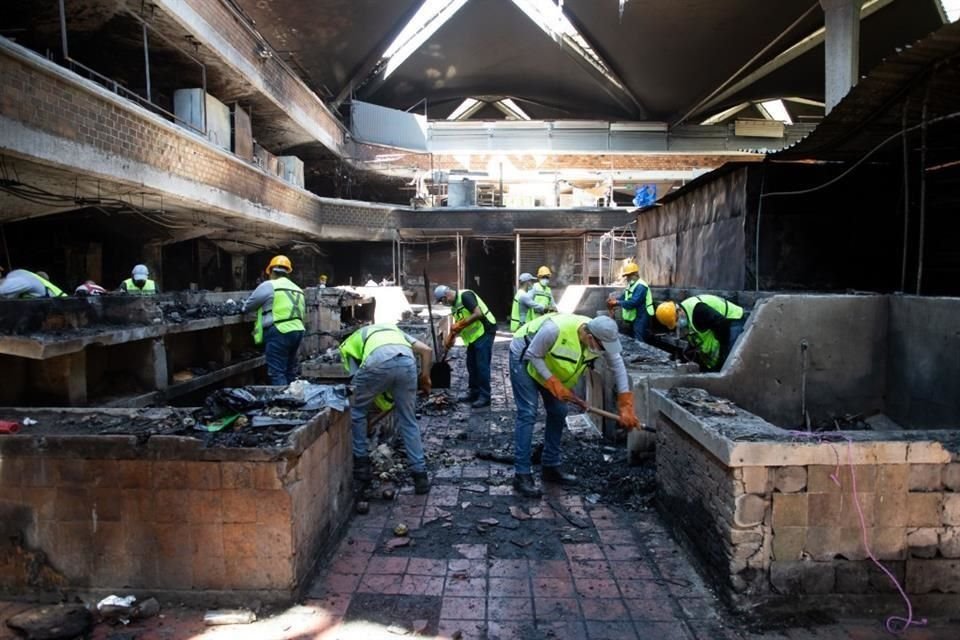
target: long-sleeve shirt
<point>20,283</point>
<point>526,301</point>
<point>544,339</point>
<point>706,318</point>
<point>636,301</point>
<point>261,297</point>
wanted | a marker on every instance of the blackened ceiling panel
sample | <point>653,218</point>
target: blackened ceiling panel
<point>900,24</point>
<point>672,53</point>
<point>490,47</point>
<point>328,39</point>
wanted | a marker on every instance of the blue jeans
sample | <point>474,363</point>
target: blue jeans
<point>638,328</point>
<point>280,350</point>
<point>525,391</point>
<point>398,376</point>
<point>479,354</point>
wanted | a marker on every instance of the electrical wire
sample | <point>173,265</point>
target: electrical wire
<point>835,179</point>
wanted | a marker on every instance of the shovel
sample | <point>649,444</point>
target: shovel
<point>607,414</point>
<point>440,371</point>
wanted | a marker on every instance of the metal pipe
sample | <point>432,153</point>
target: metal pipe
<point>906,198</point>
<point>804,417</point>
<point>146,60</point>
<point>747,64</point>
<point>600,268</point>
<point>923,185</point>
<point>516,271</point>
<point>63,31</point>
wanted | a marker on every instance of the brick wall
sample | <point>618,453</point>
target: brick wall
<point>551,161</point>
<point>54,101</point>
<point>101,513</point>
<point>278,82</point>
<point>767,532</point>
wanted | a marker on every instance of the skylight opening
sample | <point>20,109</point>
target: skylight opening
<point>774,110</point>
<point>551,19</point>
<point>512,109</point>
<point>952,9</point>
<point>430,17</point>
<point>466,109</point>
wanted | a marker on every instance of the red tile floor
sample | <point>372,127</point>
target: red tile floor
<point>571,570</point>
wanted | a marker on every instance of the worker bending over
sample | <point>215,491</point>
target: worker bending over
<point>139,283</point>
<point>710,324</point>
<point>21,283</point>
<point>547,358</point>
<point>525,305</point>
<point>280,308</point>
<point>383,361</point>
<point>477,327</point>
<point>542,294</point>
<point>636,303</point>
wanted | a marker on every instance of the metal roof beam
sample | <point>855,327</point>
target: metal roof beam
<point>418,29</point>
<point>808,43</point>
<point>550,18</point>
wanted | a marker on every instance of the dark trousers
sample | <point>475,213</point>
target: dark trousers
<point>638,328</point>
<point>280,350</point>
<point>479,354</point>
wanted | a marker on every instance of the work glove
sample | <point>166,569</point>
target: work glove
<point>612,303</point>
<point>628,417</point>
<point>459,326</point>
<point>559,391</point>
<point>449,340</point>
<point>425,385</point>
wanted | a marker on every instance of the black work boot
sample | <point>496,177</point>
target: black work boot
<point>421,483</point>
<point>556,475</point>
<point>479,403</point>
<point>467,397</point>
<point>524,485</point>
<point>362,469</point>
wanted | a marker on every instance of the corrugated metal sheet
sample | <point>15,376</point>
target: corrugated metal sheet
<point>874,109</point>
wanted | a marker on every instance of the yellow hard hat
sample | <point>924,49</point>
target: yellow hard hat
<point>280,262</point>
<point>544,271</point>
<point>323,276</point>
<point>667,314</point>
<point>631,268</point>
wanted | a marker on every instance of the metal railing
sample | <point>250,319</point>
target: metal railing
<point>114,85</point>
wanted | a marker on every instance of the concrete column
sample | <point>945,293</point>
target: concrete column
<point>63,377</point>
<point>153,258</point>
<point>842,19</point>
<point>158,361</point>
<point>239,270</point>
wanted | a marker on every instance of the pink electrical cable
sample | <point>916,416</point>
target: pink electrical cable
<point>891,622</point>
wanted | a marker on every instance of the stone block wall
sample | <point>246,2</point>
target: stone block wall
<point>169,518</point>
<point>777,530</point>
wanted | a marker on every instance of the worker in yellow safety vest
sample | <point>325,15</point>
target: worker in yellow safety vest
<point>636,303</point>
<point>710,323</point>
<point>21,283</point>
<point>477,327</point>
<point>542,294</point>
<point>383,361</point>
<point>525,307</point>
<point>547,358</point>
<point>139,283</point>
<point>281,309</point>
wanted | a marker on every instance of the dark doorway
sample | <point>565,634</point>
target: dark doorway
<point>489,270</point>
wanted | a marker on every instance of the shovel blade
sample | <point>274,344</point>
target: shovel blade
<point>440,375</point>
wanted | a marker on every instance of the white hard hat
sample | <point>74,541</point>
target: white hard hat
<point>440,292</point>
<point>526,277</point>
<point>140,272</point>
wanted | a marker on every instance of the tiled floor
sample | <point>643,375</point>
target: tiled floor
<point>567,569</point>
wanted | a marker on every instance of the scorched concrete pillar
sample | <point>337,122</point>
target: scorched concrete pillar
<point>842,19</point>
